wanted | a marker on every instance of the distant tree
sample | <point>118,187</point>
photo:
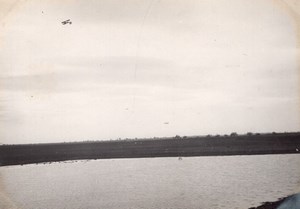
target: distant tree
<point>249,134</point>
<point>233,134</point>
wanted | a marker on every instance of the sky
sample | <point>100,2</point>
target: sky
<point>147,68</point>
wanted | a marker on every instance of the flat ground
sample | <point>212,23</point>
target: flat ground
<point>282,143</point>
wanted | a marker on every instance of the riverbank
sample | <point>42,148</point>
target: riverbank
<point>290,202</point>
<point>251,144</point>
<point>270,205</point>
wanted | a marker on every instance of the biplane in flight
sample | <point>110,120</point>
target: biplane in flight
<point>66,22</point>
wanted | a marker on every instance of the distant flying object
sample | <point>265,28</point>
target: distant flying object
<point>166,123</point>
<point>66,22</point>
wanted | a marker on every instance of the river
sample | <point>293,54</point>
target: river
<point>231,182</point>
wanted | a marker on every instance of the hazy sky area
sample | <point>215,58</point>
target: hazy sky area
<point>147,68</point>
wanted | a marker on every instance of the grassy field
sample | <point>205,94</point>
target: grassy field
<point>250,144</point>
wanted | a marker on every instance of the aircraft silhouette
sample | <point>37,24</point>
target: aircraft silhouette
<point>66,22</point>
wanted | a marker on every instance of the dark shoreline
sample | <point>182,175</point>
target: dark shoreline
<point>251,144</point>
<point>289,202</point>
<point>271,205</point>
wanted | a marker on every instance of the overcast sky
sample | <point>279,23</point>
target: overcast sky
<point>147,68</point>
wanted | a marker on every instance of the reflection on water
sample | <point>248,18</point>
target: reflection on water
<point>195,182</point>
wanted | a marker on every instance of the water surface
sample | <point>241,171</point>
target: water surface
<point>195,182</point>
